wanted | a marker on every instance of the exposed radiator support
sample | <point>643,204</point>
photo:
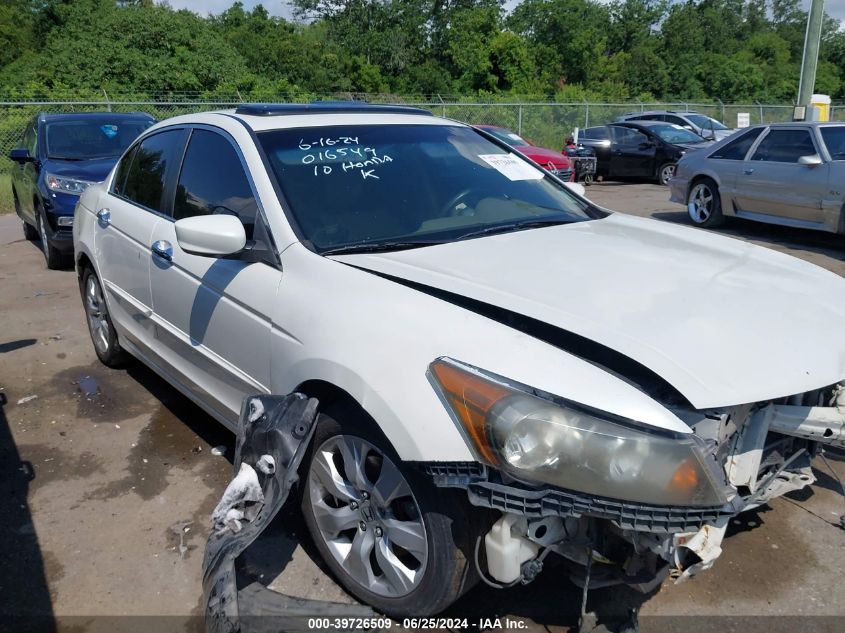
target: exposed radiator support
<point>825,425</point>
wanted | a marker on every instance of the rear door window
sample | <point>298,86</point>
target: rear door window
<point>784,146</point>
<point>213,181</point>
<point>119,184</point>
<point>147,174</point>
<point>628,136</point>
<point>595,133</point>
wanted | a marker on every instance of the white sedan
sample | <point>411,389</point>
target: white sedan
<point>504,370</point>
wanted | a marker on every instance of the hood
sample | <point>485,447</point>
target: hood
<point>722,321</point>
<point>692,147</point>
<point>720,134</point>
<point>94,170</point>
<point>715,135</point>
<point>543,156</point>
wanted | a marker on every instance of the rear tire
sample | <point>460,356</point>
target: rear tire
<point>100,327</point>
<point>704,206</point>
<point>665,173</point>
<point>358,532</point>
<point>30,233</point>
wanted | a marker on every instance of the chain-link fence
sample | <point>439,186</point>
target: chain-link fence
<point>546,124</point>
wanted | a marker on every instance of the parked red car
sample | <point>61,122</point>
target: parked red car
<point>550,160</point>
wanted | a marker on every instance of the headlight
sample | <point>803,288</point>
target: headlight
<point>66,185</point>
<point>539,437</point>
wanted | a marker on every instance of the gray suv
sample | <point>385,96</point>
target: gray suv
<point>784,173</point>
<point>701,124</point>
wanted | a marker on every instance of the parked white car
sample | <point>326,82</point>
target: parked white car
<point>504,370</point>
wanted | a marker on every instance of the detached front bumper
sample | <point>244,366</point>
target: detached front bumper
<point>274,434</point>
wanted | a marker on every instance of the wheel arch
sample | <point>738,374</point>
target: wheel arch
<point>82,262</point>
<point>726,202</point>
<point>333,397</point>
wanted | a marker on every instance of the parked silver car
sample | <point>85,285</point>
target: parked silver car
<point>784,173</point>
<point>703,125</point>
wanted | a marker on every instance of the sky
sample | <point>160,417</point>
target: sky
<point>834,8</point>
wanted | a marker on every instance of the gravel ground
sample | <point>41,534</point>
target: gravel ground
<point>107,481</point>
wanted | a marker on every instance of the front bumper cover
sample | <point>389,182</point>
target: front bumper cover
<point>280,427</point>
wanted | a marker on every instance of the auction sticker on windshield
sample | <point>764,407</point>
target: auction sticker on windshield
<point>512,167</point>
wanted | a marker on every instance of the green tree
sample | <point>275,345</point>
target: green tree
<point>568,37</point>
<point>98,44</point>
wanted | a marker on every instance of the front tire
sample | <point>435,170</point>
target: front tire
<point>387,534</point>
<point>53,258</point>
<point>100,327</point>
<point>704,205</point>
<point>665,173</point>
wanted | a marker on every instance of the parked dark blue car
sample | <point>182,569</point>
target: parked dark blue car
<point>61,155</point>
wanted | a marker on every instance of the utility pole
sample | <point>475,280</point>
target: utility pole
<point>810,59</point>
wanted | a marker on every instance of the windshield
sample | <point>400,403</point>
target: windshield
<point>91,138</point>
<point>834,139</point>
<point>512,139</point>
<point>398,186</point>
<point>705,122</point>
<point>675,134</point>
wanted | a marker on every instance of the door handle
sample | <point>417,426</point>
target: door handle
<point>163,249</point>
<point>104,217</point>
<point>747,172</point>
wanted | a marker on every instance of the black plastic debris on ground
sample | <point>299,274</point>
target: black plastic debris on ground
<point>280,427</point>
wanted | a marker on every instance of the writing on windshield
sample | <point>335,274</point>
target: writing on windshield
<point>344,153</point>
<point>382,186</point>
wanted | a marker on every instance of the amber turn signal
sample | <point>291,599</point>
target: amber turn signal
<point>471,397</point>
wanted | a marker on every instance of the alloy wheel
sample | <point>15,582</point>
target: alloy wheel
<point>700,205</point>
<point>666,174</point>
<point>97,313</point>
<point>367,516</point>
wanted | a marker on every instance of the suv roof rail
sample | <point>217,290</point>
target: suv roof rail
<point>325,107</point>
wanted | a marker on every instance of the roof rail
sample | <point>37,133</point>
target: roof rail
<point>325,107</point>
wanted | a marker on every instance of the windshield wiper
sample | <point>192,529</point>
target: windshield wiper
<point>514,226</point>
<point>378,247</point>
<point>65,158</point>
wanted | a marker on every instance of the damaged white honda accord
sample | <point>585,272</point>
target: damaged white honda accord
<point>504,371</point>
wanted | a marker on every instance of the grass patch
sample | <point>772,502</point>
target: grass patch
<point>6,204</point>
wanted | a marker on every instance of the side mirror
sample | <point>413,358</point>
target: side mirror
<point>811,160</point>
<point>20,155</point>
<point>211,235</point>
